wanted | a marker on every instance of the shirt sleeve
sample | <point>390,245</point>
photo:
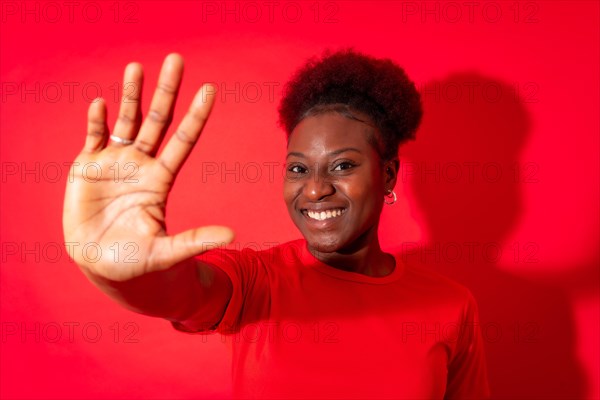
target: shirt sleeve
<point>467,370</point>
<point>250,299</point>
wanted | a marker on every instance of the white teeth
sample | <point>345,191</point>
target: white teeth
<point>323,215</point>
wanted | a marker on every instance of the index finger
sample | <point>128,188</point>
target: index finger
<point>183,140</point>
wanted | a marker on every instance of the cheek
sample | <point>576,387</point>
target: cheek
<point>289,193</point>
<point>364,193</point>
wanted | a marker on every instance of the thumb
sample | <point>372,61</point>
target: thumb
<point>170,250</point>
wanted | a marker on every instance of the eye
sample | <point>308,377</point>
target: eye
<point>296,169</point>
<point>343,166</point>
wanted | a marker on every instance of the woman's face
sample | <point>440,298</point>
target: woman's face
<point>335,182</point>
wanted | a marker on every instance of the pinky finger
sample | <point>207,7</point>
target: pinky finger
<point>97,128</point>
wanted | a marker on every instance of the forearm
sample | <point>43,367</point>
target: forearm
<point>174,293</point>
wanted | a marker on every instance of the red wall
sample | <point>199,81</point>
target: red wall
<point>500,190</point>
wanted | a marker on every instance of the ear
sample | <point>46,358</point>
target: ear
<point>390,170</point>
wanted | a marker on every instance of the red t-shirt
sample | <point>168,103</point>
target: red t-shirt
<point>302,329</point>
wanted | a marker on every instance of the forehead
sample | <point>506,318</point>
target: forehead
<point>328,132</point>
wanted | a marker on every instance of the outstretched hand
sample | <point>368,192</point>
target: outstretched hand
<point>117,196</point>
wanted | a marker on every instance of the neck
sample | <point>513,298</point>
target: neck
<point>363,256</point>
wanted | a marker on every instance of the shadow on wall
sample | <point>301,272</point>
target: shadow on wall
<point>466,176</point>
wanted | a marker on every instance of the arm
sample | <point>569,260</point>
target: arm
<point>152,272</point>
<point>192,293</point>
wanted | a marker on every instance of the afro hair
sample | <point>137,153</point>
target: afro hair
<point>376,87</point>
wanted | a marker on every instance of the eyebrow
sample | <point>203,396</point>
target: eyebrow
<point>333,153</point>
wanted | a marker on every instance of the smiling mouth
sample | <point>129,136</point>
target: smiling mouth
<point>323,215</point>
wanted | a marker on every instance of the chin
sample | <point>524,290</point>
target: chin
<point>324,244</point>
<point>334,242</point>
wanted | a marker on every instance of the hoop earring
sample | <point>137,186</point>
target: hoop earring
<point>390,195</point>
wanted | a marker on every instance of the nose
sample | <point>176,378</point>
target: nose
<point>318,187</point>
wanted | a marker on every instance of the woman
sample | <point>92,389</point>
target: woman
<point>330,315</point>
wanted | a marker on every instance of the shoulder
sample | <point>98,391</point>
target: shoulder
<point>256,253</point>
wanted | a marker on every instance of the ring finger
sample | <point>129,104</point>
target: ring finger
<point>130,114</point>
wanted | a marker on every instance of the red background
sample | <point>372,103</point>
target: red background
<point>509,88</point>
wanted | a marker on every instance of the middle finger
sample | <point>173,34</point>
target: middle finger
<point>161,108</point>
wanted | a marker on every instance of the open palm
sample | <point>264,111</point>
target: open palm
<point>114,211</point>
